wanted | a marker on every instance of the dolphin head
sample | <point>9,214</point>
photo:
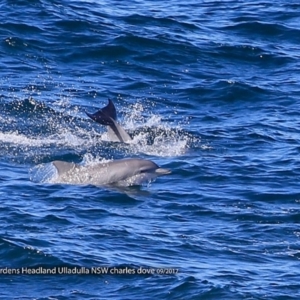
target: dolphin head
<point>148,166</point>
<point>142,171</point>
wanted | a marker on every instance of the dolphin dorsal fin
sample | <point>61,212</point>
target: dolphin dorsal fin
<point>63,166</point>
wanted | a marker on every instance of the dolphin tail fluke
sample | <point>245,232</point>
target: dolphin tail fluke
<point>108,116</point>
<point>105,115</point>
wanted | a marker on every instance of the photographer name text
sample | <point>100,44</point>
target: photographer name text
<point>88,271</point>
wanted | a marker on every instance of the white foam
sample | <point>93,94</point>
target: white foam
<point>164,146</point>
<point>90,160</point>
<point>63,138</point>
<point>168,141</point>
<point>133,117</point>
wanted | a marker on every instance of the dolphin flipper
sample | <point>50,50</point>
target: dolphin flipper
<point>108,116</point>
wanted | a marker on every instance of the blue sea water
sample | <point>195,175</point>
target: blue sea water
<point>208,89</point>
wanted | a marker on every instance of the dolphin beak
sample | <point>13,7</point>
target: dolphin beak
<point>161,171</point>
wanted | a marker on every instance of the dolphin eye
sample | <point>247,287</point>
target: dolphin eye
<point>146,170</point>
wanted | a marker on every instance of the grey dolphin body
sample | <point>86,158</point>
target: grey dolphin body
<point>108,116</point>
<point>126,172</point>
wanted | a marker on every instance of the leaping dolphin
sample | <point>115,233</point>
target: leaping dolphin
<point>108,116</point>
<point>130,171</point>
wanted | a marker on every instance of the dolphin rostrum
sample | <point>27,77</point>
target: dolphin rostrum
<point>108,116</point>
<point>130,171</point>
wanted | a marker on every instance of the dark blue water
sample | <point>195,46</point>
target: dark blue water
<point>208,89</point>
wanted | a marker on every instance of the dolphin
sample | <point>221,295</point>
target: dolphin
<point>108,116</point>
<point>122,172</point>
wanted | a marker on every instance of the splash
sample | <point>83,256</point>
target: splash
<point>37,130</point>
<point>90,160</point>
<point>43,173</point>
<point>165,142</point>
<point>153,136</point>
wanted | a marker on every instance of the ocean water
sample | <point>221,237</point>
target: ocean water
<point>208,89</point>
